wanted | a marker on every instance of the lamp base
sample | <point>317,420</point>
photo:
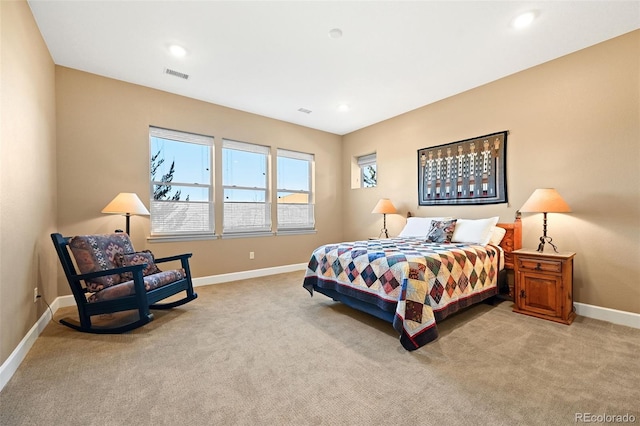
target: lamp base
<point>128,216</point>
<point>384,232</point>
<point>384,227</point>
<point>544,239</point>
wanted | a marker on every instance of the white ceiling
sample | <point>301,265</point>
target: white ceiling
<point>274,57</point>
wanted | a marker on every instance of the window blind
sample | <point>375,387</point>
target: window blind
<point>175,135</point>
<point>244,146</point>
<point>176,217</point>
<point>367,160</point>
<point>246,217</point>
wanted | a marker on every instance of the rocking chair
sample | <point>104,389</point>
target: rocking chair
<point>114,278</point>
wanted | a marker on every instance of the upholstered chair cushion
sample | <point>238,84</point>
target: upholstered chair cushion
<point>97,253</point>
<point>137,258</point>
<point>127,288</point>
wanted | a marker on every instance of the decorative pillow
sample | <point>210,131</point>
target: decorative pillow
<point>472,231</point>
<point>497,234</point>
<point>441,231</point>
<point>137,258</point>
<point>94,253</point>
<point>418,226</point>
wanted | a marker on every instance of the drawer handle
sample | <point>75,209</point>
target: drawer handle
<point>538,267</point>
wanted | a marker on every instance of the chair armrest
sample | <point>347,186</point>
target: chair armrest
<point>184,262</point>
<point>176,257</point>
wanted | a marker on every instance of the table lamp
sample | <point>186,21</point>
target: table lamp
<point>385,207</point>
<point>128,204</point>
<point>545,200</point>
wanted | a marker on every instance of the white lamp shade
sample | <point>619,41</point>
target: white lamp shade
<point>384,206</point>
<point>126,203</point>
<point>545,200</point>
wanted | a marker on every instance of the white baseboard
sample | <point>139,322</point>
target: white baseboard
<point>256,273</point>
<point>629,319</point>
<point>9,367</point>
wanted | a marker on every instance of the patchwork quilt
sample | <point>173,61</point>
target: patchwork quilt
<point>421,282</point>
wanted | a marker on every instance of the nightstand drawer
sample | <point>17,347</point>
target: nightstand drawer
<point>540,265</point>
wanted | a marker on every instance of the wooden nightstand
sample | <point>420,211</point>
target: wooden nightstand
<point>544,285</point>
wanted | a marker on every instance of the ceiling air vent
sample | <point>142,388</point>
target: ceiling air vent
<point>306,111</point>
<point>176,73</point>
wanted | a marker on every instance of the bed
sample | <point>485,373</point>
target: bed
<point>420,277</point>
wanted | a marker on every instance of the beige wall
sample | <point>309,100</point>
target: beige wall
<point>27,174</point>
<point>574,124</point>
<point>103,149</point>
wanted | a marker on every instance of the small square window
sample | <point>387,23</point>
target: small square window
<point>368,170</point>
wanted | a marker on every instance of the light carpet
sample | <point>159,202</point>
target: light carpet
<point>262,352</point>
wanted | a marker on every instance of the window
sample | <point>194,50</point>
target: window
<point>368,169</point>
<point>295,197</point>
<point>181,183</point>
<point>245,186</point>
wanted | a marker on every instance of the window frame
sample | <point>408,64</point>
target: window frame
<point>189,138</point>
<point>283,228</point>
<point>266,228</point>
<point>365,161</point>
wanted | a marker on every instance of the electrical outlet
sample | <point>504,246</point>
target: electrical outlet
<point>252,255</point>
<point>35,294</point>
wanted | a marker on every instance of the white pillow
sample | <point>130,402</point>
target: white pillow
<point>497,234</point>
<point>418,226</point>
<point>474,231</point>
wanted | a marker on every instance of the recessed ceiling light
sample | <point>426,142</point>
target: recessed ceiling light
<point>177,50</point>
<point>523,20</point>
<point>335,33</point>
<point>343,108</point>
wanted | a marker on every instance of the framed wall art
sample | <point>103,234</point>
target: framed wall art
<point>471,171</point>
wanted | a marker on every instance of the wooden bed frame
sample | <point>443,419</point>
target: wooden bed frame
<point>511,241</point>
